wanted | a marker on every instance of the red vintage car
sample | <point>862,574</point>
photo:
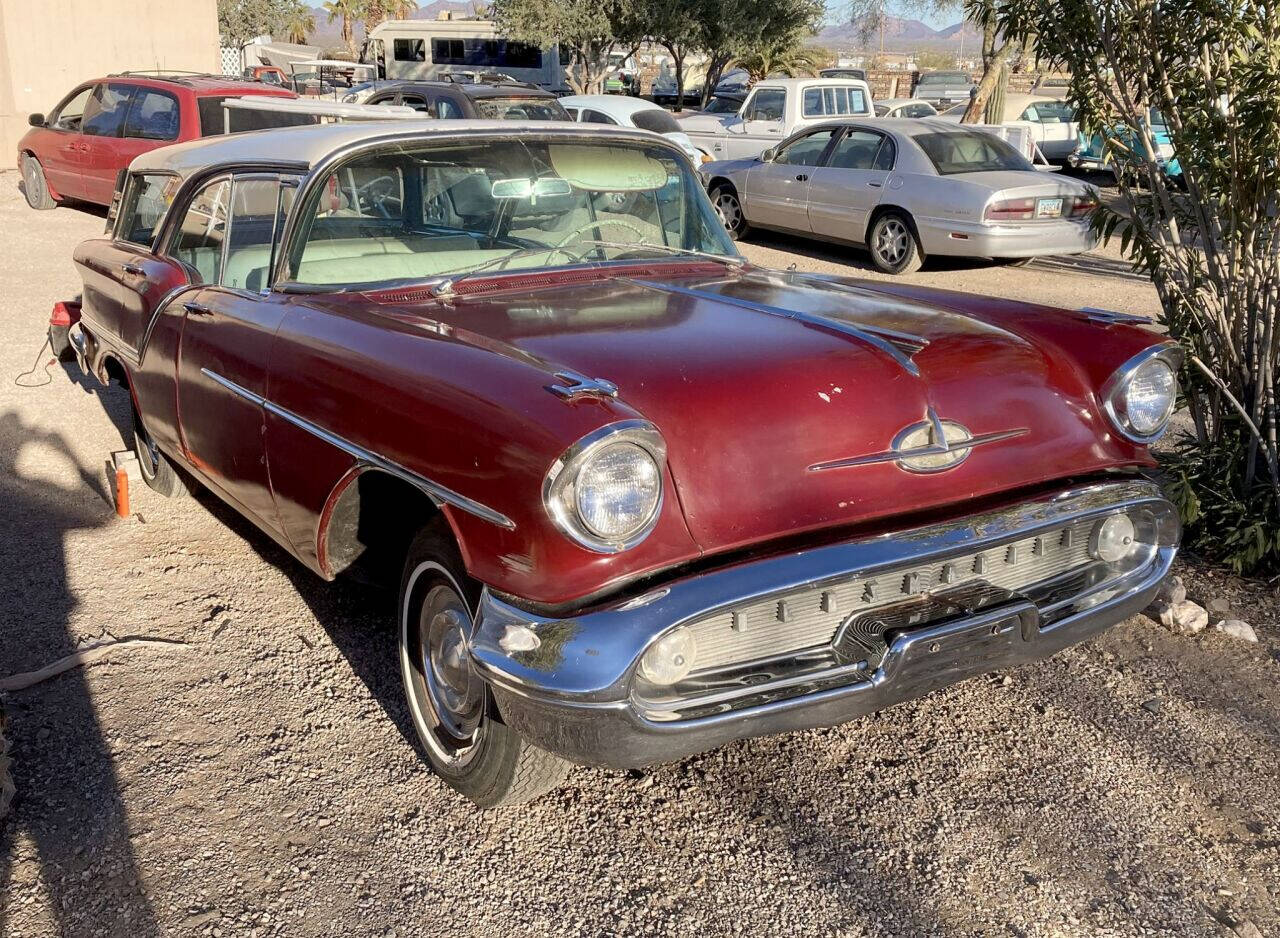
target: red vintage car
<point>640,498</point>
<point>77,151</point>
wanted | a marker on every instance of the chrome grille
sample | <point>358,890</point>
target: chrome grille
<point>787,623</point>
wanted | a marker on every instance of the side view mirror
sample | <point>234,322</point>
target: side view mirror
<point>768,155</point>
<point>36,120</point>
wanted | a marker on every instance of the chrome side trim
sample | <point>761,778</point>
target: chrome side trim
<point>1112,317</point>
<point>436,492</point>
<point>871,336</point>
<point>901,456</point>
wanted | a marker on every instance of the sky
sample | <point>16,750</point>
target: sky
<point>838,11</point>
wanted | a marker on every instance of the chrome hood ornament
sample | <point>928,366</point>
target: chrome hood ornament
<point>932,445</point>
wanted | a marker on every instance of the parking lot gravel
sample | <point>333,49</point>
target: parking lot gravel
<point>254,773</point>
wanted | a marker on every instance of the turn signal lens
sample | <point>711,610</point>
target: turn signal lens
<point>670,659</point>
<point>1113,539</point>
<point>1083,205</point>
<point>1011,210</point>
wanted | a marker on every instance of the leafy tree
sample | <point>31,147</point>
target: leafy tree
<point>240,21</point>
<point>729,29</point>
<point>1209,237</point>
<point>299,22</point>
<point>588,33</point>
<point>673,24</point>
<point>349,11</point>
<point>373,12</point>
<point>787,57</point>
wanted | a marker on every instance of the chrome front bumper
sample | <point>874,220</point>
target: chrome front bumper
<point>577,693</point>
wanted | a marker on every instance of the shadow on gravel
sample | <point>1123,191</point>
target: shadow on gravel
<point>69,812</point>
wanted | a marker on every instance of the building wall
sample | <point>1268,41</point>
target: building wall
<point>48,46</point>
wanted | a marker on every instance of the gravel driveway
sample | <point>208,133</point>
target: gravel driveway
<point>254,775</point>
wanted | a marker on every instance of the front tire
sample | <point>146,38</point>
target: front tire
<point>34,186</point>
<point>465,740</point>
<point>729,208</point>
<point>893,245</point>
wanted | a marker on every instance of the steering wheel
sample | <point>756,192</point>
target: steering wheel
<point>599,223</point>
<point>374,195</point>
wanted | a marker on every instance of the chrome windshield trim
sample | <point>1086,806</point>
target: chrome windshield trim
<point>872,337</point>
<point>436,492</point>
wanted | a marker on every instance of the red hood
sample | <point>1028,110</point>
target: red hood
<point>753,377</point>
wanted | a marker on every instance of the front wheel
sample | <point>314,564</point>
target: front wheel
<point>466,742</point>
<point>34,186</point>
<point>729,208</point>
<point>893,245</point>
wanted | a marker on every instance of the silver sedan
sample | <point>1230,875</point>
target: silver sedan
<point>905,189</point>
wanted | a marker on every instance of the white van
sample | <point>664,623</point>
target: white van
<point>776,108</point>
<point>430,49</point>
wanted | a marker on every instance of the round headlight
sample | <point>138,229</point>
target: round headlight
<point>1149,396</point>
<point>1114,539</point>
<point>617,490</point>
<point>670,658</point>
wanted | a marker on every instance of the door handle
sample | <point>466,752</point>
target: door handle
<point>197,309</point>
<point>135,269</point>
<point>875,185</point>
<point>802,178</point>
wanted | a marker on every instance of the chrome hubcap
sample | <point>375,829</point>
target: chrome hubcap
<point>891,241</point>
<point>729,212</point>
<point>449,686</point>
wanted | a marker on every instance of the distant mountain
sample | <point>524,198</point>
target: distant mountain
<point>900,35</point>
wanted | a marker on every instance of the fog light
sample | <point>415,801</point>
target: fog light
<point>670,658</point>
<point>1114,539</point>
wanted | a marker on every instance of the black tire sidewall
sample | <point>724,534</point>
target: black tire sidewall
<point>913,248</point>
<point>37,194</point>
<point>734,233</point>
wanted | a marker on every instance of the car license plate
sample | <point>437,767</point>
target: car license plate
<point>1049,208</point>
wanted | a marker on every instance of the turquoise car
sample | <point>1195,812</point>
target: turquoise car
<point>1091,153</point>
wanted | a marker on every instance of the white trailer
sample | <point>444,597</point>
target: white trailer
<point>430,49</point>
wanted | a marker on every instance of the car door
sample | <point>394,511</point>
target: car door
<point>105,154</point>
<point>61,149</point>
<point>227,239</point>
<point>778,189</point>
<point>843,191</point>
<point>759,126</point>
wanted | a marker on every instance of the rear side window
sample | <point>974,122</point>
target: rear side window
<point>415,101</point>
<point>409,50</point>
<point>825,102</point>
<point>521,109</point>
<point>591,116</point>
<point>146,199</point>
<point>105,114</point>
<point>448,109</point>
<point>857,149</point>
<point>212,117</point>
<point>152,116</point>
<point>657,120</point>
<point>198,242</point>
<point>258,207</point>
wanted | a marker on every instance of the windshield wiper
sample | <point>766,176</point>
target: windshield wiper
<point>447,286</point>
<point>731,260</point>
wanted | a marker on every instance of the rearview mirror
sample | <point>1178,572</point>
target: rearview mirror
<point>529,188</point>
<point>768,155</point>
<point>35,120</point>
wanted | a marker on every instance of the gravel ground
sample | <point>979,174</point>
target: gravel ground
<point>258,779</point>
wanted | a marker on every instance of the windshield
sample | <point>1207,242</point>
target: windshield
<point>721,104</point>
<point>520,108</point>
<point>944,78</point>
<point>969,151</point>
<point>412,213</point>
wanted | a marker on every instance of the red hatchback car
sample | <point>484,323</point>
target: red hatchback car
<point>78,150</point>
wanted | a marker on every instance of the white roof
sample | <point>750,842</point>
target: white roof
<point>321,108</point>
<point>806,82</point>
<point>610,103</point>
<point>326,63</point>
<point>309,145</point>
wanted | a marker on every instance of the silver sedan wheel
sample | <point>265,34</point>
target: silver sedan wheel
<point>892,242</point>
<point>445,694</point>
<point>729,209</point>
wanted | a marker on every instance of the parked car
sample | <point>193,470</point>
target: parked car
<point>1052,121</point>
<point>269,74</point>
<point>631,112</point>
<point>841,72</point>
<point>93,133</point>
<point>942,89</point>
<point>495,98</point>
<point>906,190</point>
<point>904,107</point>
<point>1091,152</point>
<point>775,108</point>
<point>663,91</point>
<point>1053,84</point>
<point>639,497</point>
<point>363,91</point>
<point>328,78</point>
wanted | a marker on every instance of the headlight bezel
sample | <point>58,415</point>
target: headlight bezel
<point>1170,353</point>
<point>561,504</point>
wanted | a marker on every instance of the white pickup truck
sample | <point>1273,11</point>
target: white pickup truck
<point>776,108</point>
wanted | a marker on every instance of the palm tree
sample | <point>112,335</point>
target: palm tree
<point>791,61</point>
<point>299,22</point>
<point>400,9</point>
<point>349,11</point>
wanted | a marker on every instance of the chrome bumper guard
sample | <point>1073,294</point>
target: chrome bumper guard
<point>572,685</point>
